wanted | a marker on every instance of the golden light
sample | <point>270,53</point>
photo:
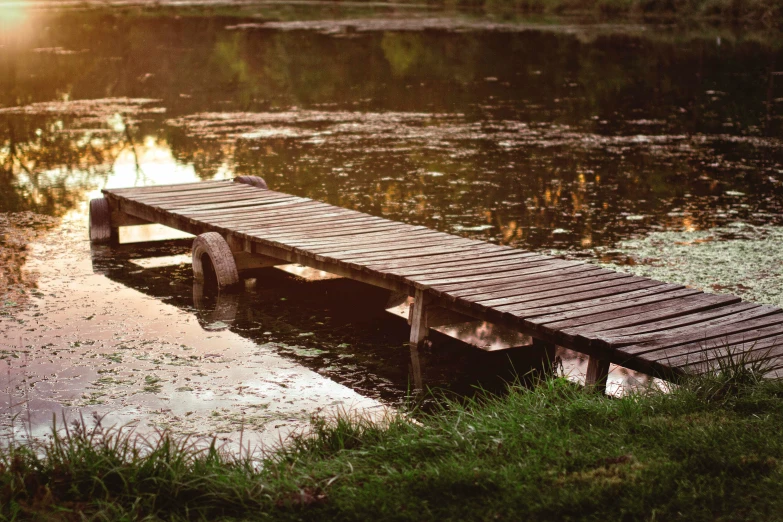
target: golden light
<point>12,16</point>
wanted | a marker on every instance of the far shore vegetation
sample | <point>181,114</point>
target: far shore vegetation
<point>755,10</point>
<point>710,449</point>
<point>763,12</point>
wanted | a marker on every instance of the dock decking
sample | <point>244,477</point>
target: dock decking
<point>639,323</point>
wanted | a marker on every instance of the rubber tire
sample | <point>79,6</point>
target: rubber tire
<point>213,245</point>
<point>254,181</point>
<point>100,221</point>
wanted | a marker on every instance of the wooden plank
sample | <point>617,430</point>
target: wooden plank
<point>489,252</point>
<point>323,218</point>
<point>187,203</point>
<point>153,211</point>
<point>444,284</point>
<point>288,239</point>
<point>359,259</point>
<point>293,232</point>
<point>121,219</point>
<point>221,189</point>
<point>245,207</point>
<point>148,189</point>
<point>732,331</point>
<point>684,323</point>
<point>282,240</point>
<point>700,329</point>
<point>306,207</point>
<point>363,259</point>
<point>447,284</point>
<point>293,257</point>
<point>153,215</point>
<point>684,355</point>
<point>769,350</point>
<point>413,242</point>
<point>616,306</point>
<point>557,279</point>
<point>260,195</point>
<point>373,243</point>
<point>555,282</point>
<point>157,208</point>
<point>363,240</point>
<point>665,313</point>
<point>316,205</point>
<point>525,310</point>
<point>511,284</point>
<point>577,319</point>
<point>197,195</point>
<point>494,269</point>
<point>356,238</point>
<point>312,228</point>
<point>262,219</point>
<point>544,293</point>
<point>457,267</point>
<point>225,211</point>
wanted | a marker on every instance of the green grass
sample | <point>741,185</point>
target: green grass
<point>710,450</point>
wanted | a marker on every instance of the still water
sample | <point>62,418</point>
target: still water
<point>546,135</point>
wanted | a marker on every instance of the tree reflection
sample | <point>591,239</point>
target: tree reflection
<point>554,139</point>
<point>48,169</point>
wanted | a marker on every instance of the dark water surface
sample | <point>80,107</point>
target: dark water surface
<point>542,136</point>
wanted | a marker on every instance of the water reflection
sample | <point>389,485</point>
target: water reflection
<point>569,137</point>
<point>86,344</point>
<point>314,322</point>
<point>579,144</point>
<point>341,328</point>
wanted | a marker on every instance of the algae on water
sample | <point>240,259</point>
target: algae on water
<point>740,259</point>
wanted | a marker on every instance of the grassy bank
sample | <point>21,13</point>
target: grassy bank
<point>712,450</point>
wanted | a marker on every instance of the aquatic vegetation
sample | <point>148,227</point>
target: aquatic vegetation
<point>740,259</point>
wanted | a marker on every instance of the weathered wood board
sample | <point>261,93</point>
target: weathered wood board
<point>639,323</point>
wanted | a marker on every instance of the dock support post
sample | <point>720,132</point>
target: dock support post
<point>245,259</point>
<point>419,331</point>
<point>418,379</point>
<point>419,328</point>
<point>597,373</point>
<point>547,352</point>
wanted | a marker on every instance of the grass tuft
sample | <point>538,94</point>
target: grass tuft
<point>733,372</point>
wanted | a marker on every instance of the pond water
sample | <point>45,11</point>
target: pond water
<point>558,135</point>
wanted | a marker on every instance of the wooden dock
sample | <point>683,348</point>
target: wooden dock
<point>639,323</point>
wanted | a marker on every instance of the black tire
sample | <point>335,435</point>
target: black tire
<point>254,181</point>
<point>213,248</point>
<point>100,221</point>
